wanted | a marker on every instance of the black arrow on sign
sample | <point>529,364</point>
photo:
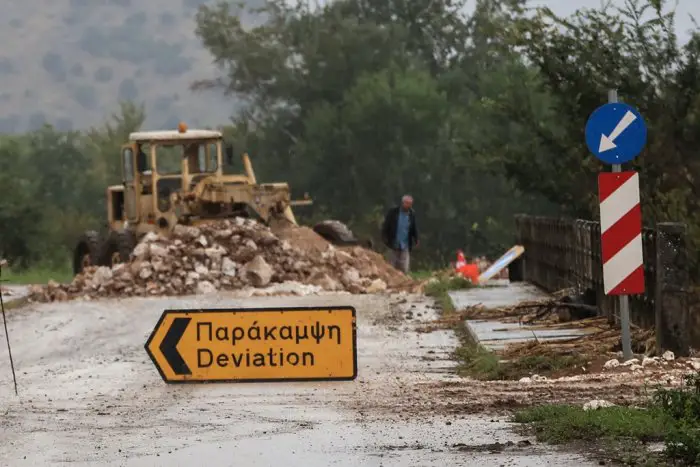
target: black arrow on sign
<point>169,346</point>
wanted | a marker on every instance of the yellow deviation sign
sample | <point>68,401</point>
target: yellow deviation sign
<point>255,345</point>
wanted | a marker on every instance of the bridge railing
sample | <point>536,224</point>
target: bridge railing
<point>565,253</point>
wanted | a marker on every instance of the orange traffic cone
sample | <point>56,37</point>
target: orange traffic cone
<point>461,260</point>
<point>467,270</point>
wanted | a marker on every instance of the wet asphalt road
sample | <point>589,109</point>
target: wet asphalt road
<point>89,395</point>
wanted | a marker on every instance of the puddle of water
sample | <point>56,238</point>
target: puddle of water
<point>329,441</point>
<point>14,292</point>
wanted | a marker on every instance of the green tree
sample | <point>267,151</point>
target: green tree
<point>360,101</point>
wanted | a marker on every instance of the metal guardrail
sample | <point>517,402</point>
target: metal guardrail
<point>565,253</point>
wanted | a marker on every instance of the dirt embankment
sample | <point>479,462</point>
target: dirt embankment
<point>600,376</point>
<point>233,255</point>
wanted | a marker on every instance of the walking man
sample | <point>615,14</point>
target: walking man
<point>400,234</point>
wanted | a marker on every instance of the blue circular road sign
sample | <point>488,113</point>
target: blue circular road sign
<point>616,133</point>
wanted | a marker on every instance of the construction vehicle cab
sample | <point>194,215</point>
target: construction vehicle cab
<point>176,177</point>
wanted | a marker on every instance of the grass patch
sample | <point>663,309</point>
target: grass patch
<point>671,416</point>
<point>421,274</point>
<point>440,288</point>
<point>38,275</point>
<point>480,363</point>
<point>558,424</point>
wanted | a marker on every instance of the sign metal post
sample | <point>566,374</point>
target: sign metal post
<point>616,133</point>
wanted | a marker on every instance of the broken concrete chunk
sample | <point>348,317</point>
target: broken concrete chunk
<point>157,251</point>
<point>258,272</point>
<point>215,252</point>
<point>101,276</point>
<point>186,232</point>
<point>140,251</point>
<point>350,277</point>
<point>205,287</point>
<point>228,267</point>
<point>150,237</point>
<point>146,272</point>
<point>376,286</point>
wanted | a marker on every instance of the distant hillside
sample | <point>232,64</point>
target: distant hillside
<point>69,62</point>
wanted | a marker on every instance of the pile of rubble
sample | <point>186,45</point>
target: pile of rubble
<point>230,255</point>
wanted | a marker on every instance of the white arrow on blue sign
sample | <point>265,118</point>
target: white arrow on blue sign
<point>616,133</point>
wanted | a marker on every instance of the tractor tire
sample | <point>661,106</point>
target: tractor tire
<point>336,233</point>
<point>87,252</point>
<point>117,248</point>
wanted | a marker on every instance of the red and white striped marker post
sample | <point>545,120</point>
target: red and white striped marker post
<point>616,134</point>
<point>621,233</point>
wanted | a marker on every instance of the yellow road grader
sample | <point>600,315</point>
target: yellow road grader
<point>176,177</point>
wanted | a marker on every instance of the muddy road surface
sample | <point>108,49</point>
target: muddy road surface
<point>89,395</point>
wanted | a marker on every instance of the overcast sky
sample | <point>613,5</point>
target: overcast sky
<point>683,10</point>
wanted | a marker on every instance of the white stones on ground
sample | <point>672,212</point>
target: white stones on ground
<point>694,363</point>
<point>610,364</point>
<point>201,269</point>
<point>650,361</point>
<point>636,367</point>
<point>596,404</point>
<point>668,356</point>
<point>287,288</point>
<point>250,244</point>
<point>630,362</point>
<point>533,379</point>
<point>202,241</point>
<point>672,380</point>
